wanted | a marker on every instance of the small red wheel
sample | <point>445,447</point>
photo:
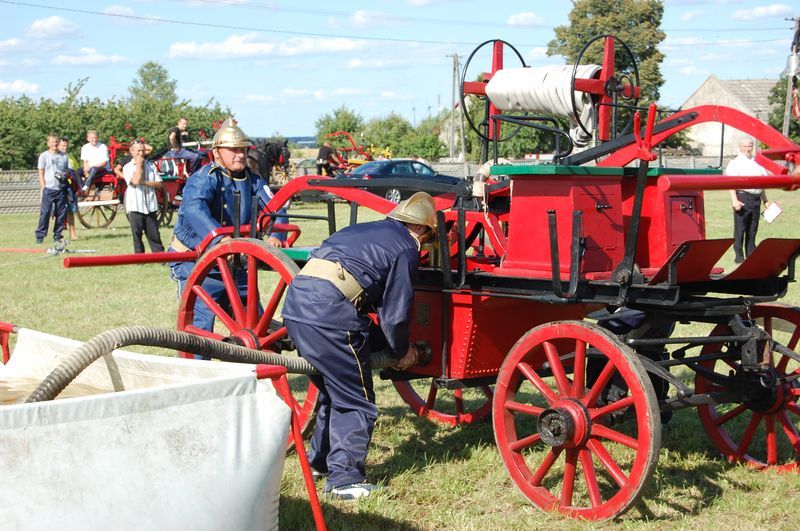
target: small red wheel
<point>576,420</point>
<point>765,431</point>
<point>459,406</point>
<point>269,272</point>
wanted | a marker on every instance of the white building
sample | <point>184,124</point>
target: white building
<point>746,95</point>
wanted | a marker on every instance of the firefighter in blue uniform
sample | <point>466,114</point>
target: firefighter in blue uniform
<point>361,268</point>
<point>208,204</point>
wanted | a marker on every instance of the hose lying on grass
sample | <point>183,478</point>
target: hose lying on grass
<point>106,342</point>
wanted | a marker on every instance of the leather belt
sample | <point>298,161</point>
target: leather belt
<point>337,275</point>
<point>178,245</point>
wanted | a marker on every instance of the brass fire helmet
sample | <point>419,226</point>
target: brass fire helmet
<point>418,209</point>
<point>230,136</point>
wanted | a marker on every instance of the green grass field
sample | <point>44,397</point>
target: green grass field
<point>438,477</point>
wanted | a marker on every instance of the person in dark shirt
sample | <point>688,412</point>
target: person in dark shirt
<point>325,156</point>
<point>175,138</point>
<point>361,268</point>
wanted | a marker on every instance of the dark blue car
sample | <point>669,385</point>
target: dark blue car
<point>402,178</point>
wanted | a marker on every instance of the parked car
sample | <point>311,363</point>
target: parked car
<point>419,177</point>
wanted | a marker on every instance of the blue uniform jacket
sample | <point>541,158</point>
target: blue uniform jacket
<point>208,202</point>
<point>384,257</point>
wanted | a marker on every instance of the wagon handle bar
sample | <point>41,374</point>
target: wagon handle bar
<point>576,249</point>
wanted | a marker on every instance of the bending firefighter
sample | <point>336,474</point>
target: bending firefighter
<point>208,204</point>
<point>362,268</point>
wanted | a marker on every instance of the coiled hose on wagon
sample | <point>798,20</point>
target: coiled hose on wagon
<point>106,342</point>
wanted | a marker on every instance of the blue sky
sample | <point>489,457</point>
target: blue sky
<point>280,65</point>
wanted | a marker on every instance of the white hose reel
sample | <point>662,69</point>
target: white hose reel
<point>545,90</point>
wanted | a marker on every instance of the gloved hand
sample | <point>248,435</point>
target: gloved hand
<point>411,358</point>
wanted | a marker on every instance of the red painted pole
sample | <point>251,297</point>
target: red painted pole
<point>129,259</point>
<point>725,182</point>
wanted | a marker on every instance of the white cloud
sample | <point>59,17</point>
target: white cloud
<point>369,19</point>
<point>255,45</point>
<point>772,10</point>
<point>9,45</point>
<point>18,86</point>
<point>691,15</point>
<point>118,10</point>
<point>308,45</point>
<point>52,27</point>
<point>87,56</point>
<point>392,95</point>
<point>525,19</point>
<point>321,95</point>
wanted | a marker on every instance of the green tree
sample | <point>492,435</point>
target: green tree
<point>342,119</point>
<point>777,98</point>
<point>636,22</point>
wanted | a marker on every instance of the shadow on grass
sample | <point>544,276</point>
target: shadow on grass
<point>294,510</point>
<point>436,442</point>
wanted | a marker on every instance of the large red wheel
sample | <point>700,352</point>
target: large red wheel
<point>453,407</point>
<point>763,432</point>
<point>576,420</point>
<point>269,272</point>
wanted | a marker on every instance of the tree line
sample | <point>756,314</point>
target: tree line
<point>149,110</point>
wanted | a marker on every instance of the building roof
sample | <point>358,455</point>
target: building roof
<point>753,93</point>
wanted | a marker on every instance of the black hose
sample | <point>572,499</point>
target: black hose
<point>106,342</point>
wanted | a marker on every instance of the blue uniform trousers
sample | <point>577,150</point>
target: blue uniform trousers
<point>52,201</point>
<point>347,410</point>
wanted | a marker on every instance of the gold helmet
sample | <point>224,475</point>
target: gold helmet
<point>418,209</point>
<point>230,135</point>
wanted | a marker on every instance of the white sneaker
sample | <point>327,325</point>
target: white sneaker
<point>354,491</point>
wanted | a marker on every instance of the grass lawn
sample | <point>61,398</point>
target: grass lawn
<point>438,477</point>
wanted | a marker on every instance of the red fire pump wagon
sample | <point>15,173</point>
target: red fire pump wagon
<point>553,299</point>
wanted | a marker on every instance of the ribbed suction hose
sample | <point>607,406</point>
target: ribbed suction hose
<point>106,342</point>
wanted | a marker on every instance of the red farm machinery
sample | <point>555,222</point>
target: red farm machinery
<point>554,300</point>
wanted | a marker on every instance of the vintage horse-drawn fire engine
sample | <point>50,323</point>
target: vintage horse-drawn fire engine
<point>554,299</point>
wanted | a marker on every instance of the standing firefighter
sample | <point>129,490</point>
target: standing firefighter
<point>364,267</point>
<point>208,204</point>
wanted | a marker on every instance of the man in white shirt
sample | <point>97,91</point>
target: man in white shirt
<point>94,156</point>
<point>141,202</point>
<point>746,203</point>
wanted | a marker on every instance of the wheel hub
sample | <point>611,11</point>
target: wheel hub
<point>244,338</point>
<point>567,425</point>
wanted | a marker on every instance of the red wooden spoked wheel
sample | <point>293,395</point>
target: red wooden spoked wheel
<point>452,407</point>
<point>763,432</point>
<point>576,420</point>
<point>269,272</point>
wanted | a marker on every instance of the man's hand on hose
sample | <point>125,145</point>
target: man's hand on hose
<point>411,358</point>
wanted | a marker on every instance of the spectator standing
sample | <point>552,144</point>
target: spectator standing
<point>175,139</point>
<point>94,156</point>
<point>746,203</point>
<point>73,184</point>
<point>52,168</point>
<point>141,202</point>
